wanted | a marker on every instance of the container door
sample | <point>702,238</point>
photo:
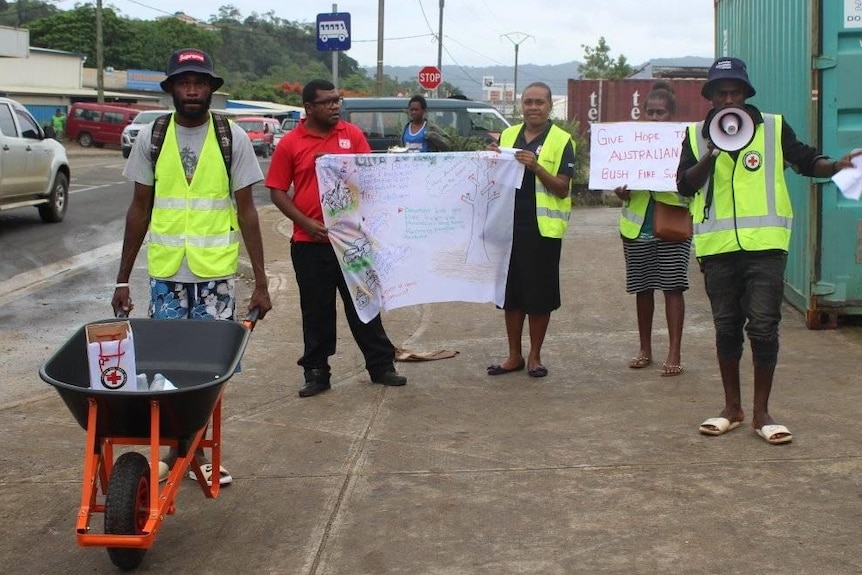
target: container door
<point>841,230</point>
<point>775,40</point>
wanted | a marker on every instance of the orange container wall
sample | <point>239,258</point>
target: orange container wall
<point>623,100</point>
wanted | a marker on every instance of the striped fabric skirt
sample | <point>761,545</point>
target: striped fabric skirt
<point>653,264</point>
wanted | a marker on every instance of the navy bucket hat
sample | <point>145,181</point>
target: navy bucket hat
<point>191,60</point>
<point>727,68</point>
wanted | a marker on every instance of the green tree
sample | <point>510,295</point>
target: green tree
<point>75,31</point>
<point>599,64</point>
<point>21,12</point>
<point>154,41</point>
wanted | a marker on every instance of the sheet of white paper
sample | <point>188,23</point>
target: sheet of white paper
<point>420,228</point>
<point>849,180</point>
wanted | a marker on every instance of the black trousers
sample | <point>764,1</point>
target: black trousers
<point>318,275</point>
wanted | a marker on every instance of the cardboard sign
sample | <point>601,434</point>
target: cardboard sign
<point>640,155</point>
<point>111,356</point>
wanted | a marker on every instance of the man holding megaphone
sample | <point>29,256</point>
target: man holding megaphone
<point>733,164</point>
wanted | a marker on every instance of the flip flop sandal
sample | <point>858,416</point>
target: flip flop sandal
<point>670,370</point>
<point>207,471</point>
<point>640,361</point>
<point>774,434</point>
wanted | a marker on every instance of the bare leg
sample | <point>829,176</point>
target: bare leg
<point>729,367</point>
<point>645,309</point>
<point>762,389</point>
<point>674,307</point>
<point>538,329</point>
<point>514,328</point>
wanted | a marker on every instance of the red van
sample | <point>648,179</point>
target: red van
<point>264,133</point>
<point>98,124</point>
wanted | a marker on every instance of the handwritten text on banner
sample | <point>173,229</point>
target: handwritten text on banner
<point>641,155</point>
<point>420,228</point>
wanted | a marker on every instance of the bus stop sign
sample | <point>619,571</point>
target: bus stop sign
<point>333,32</point>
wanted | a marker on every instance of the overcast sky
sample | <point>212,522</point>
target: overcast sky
<point>474,31</point>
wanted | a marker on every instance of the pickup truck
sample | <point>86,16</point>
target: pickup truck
<point>34,169</point>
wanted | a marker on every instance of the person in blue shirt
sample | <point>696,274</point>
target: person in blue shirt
<point>419,134</point>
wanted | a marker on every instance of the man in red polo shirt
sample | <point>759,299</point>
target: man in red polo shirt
<point>318,273</point>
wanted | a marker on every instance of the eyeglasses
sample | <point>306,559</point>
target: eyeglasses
<point>329,102</point>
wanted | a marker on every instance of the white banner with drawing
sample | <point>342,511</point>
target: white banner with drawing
<point>420,228</point>
<point>641,155</point>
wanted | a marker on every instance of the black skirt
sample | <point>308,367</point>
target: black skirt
<point>533,283</point>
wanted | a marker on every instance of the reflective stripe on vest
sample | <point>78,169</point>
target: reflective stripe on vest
<point>552,211</point>
<point>194,220</point>
<point>757,222</point>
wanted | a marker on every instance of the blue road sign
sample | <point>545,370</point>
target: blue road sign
<point>333,31</point>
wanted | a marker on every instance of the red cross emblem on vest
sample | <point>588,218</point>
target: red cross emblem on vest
<point>752,161</point>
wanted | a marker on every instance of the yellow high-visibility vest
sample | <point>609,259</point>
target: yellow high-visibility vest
<point>750,209</point>
<point>552,212</point>
<point>196,220</point>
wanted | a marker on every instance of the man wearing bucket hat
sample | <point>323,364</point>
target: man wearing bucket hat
<point>742,220</point>
<point>193,173</point>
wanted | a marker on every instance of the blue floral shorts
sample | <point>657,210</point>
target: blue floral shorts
<point>205,300</point>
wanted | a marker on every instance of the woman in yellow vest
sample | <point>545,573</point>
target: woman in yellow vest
<point>542,207</point>
<point>654,264</point>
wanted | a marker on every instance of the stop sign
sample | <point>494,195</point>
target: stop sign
<point>430,77</point>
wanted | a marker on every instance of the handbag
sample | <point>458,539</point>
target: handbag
<point>671,223</point>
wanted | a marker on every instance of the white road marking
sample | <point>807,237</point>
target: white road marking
<point>17,286</point>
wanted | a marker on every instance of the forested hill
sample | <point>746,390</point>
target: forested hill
<point>262,57</point>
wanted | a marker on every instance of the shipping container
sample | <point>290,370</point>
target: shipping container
<point>623,100</point>
<point>804,59</point>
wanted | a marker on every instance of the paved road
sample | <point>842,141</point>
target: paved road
<point>595,469</point>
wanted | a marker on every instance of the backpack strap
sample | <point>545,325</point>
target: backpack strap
<point>225,140</point>
<point>157,138</point>
<point>223,135</point>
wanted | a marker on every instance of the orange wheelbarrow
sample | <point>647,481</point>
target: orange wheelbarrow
<point>198,357</point>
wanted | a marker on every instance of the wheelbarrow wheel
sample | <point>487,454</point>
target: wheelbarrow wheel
<point>127,506</point>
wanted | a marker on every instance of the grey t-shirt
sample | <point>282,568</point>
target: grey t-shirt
<point>245,169</point>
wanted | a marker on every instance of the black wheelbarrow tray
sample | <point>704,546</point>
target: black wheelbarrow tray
<point>198,357</point>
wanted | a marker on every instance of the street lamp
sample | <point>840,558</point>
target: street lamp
<point>516,38</point>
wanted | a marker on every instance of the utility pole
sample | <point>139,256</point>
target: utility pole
<point>335,57</point>
<point>440,45</point>
<point>516,38</point>
<point>100,65</point>
<point>380,48</point>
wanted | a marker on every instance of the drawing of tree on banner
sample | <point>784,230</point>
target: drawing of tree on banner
<point>480,199</point>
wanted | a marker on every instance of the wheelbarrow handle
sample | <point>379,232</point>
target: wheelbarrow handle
<point>251,318</point>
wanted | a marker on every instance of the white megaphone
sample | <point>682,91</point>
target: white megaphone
<point>731,129</point>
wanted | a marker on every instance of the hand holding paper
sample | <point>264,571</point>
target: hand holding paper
<point>849,180</point>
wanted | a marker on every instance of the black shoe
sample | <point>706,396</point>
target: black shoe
<point>316,381</point>
<point>313,388</point>
<point>390,377</point>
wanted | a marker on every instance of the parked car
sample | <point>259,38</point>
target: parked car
<point>262,132</point>
<point>98,124</point>
<point>130,132</point>
<point>34,170</point>
<point>383,119</point>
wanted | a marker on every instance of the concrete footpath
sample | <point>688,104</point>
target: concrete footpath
<point>596,468</point>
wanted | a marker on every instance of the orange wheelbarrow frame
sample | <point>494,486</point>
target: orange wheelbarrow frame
<point>99,463</point>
